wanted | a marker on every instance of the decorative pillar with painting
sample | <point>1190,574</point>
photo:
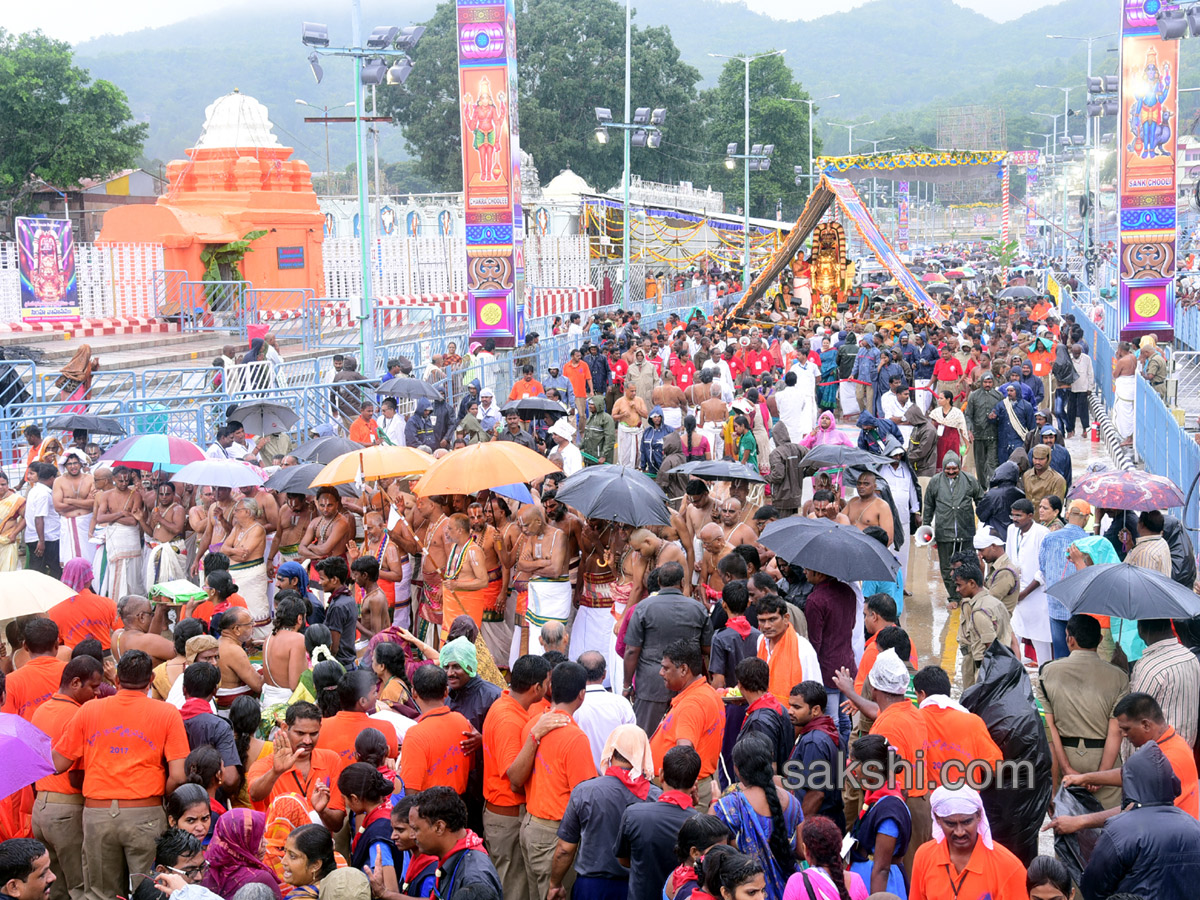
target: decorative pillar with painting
<point>497,305</point>
<point>1147,145</point>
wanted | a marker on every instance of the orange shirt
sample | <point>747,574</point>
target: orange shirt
<point>325,766</point>
<point>697,715</point>
<point>903,726</point>
<point>954,734</point>
<point>870,654</point>
<point>364,432</point>
<point>32,685</point>
<point>537,709</point>
<point>204,611</point>
<point>86,615</point>
<point>523,388</point>
<point>52,717</point>
<point>502,742</point>
<point>339,733</point>
<point>579,374</point>
<point>123,742</point>
<point>996,874</point>
<point>432,753</point>
<point>1179,755</point>
<point>564,759</point>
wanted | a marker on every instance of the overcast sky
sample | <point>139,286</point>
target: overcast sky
<point>78,20</point>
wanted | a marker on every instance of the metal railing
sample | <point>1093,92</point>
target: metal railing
<point>1166,449</point>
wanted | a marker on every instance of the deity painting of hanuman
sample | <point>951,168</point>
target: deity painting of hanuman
<point>484,116</point>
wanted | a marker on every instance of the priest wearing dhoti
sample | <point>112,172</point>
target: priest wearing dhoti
<point>164,524</point>
<point>119,512</point>
<point>543,561</point>
<point>74,501</point>
<point>245,546</point>
<point>466,588</point>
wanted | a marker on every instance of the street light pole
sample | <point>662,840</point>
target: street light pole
<point>1066,114</point>
<point>850,133</point>
<point>874,181</point>
<point>812,174</point>
<point>366,334</point>
<point>625,236</point>
<point>746,60</point>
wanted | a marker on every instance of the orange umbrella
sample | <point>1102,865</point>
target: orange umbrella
<point>374,463</point>
<point>483,466</point>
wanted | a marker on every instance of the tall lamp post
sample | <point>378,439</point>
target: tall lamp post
<point>812,173</point>
<point>850,133</point>
<point>874,181</point>
<point>642,131</point>
<point>1066,114</point>
<point>758,159</point>
<point>324,115</point>
<point>371,67</point>
<point>748,156</point>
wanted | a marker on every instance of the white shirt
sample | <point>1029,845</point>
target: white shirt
<point>904,492</point>
<point>40,502</point>
<point>574,328</point>
<point>890,404</point>
<point>216,451</point>
<point>393,428</point>
<point>599,714</point>
<point>572,459</point>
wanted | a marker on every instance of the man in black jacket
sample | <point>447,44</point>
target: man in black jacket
<point>764,714</point>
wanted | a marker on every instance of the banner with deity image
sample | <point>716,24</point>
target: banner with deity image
<point>46,259</point>
<point>1031,184</point>
<point>1146,149</point>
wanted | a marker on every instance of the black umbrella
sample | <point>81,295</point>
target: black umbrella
<point>531,407</point>
<point>296,480</point>
<point>718,470</point>
<point>90,424</point>
<point>839,551</point>
<point>1127,591</point>
<point>1018,292</point>
<point>618,494</point>
<point>408,388</point>
<point>325,449</point>
<point>839,456</point>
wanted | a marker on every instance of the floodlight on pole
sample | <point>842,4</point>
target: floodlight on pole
<point>313,34</point>
<point>811,167</point>
<point>746,60</point>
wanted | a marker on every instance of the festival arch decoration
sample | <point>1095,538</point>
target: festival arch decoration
<point>1146,185</point>
<point>830,190</point>
<point>487,72</point>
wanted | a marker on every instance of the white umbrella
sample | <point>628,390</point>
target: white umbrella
<point>230,473</point>
<point>26,592</point>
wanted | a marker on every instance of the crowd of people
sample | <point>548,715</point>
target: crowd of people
<point>380,694</point>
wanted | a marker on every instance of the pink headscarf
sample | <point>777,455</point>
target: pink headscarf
<point>827,433</point>
<point>77,574</point>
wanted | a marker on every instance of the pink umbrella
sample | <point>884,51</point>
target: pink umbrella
<point>933,276</point>
<point>153,451</point>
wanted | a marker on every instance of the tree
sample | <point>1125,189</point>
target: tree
<point>570,59</point>
<point>773,120</point>
<point>56,124</point>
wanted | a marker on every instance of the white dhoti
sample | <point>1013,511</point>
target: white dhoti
<point>616,662</point>
<point>225,697</point>
<point>593,627</point>
<point>673,417</point>
<point>121,571</point>
<point>164,562</point>
<point>251,579</point>
<point>272,695</point>
<point>74,542</point>
<point>549,601</point>
<point>1031,622</point>
<point>629,441</point>
<point>1124,390</point>
<point>846,399</point>
<point>402,612</point>
<point>716,442</point>
<point>922,394</point>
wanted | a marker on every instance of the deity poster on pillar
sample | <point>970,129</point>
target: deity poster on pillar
<point>46,259</point>
<point>487,145</point>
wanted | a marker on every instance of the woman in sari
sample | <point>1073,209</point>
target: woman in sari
<point>288,814</point>
<point>827,389</point>
<point>12,526</point>
<point>75,378</point>
<point>951,426</point>
<point>764,818</point>
<point>234,855</point>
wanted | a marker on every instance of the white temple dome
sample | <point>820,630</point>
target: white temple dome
<point>236,120</point>
<point>566,184</point>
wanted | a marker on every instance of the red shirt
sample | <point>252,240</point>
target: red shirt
<point>32,685</point>
<point>947,370</point>
<point>619,369</point>
<point>759,361</point>
<point>684,372</point>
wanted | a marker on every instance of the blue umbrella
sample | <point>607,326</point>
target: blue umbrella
<point>518,492</point>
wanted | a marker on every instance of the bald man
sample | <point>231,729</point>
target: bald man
<point>732,527</point>
<point>715,547</point>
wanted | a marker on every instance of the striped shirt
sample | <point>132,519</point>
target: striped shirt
<point>1170,673</point>
<point>1151,552</point>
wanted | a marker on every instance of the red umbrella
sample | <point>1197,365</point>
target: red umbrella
<point>1133,490</point>
<point>871,284</point>
<point>956,273</point>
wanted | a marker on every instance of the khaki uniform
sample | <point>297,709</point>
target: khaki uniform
<point>1038,486</point>
<point>1003,582</point>
<point>1080,691</point>
<point>982,619</point>
<point>1154,370</point>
